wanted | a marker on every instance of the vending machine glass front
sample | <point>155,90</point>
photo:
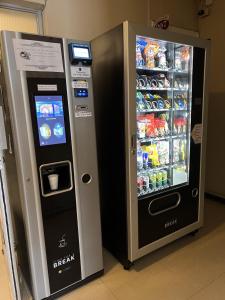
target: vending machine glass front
<point>163,114</point>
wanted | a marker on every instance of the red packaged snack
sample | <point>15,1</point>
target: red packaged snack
<point>150,125</point>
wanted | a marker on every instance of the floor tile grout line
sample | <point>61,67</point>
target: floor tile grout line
<point>111,292</point>
<point>207,285</point>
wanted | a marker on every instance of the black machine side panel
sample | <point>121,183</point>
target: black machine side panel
<point>156,226</point>
<point>110,130</point>
<point>58,210</point>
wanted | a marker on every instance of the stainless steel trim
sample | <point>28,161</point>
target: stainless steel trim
<point>204,133</point>
<point>87,195</point>
<point>130,32</point>
<point>9,238</point>
<point>76,178</point>
<point>3,141</point>
<point>129,132</point>
<point>26,167</point>
<point>168,36</point>
<point>164,210</point>
<point>166,240</point>
<point>61,191</point>
<point>36,188</point>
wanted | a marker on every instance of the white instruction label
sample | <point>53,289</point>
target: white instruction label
<point>83,114</point>
<point>80,72</point>
<point>38,56</point>
<point>197,133</point>
<point>47,87</point>
<point>79,84</point>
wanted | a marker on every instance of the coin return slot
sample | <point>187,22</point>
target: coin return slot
<point>86,178</point>
<point>81,107</point>
<point>55,178</point>
<point>163,204</point>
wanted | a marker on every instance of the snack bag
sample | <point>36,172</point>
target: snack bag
<point>150,51</point>
<point>150,125</point>
<point>183,125</point>
<point>182,154</point>
<point>161,127</point>
<point>163,152</point>
<point>141,129</point>
<point>185,53</point>
<point>139,58</point>
<point>157,127</point>
<point>176,150</point>
<point>165,118</point>
<point>161,58</point>
<point>152,154</point>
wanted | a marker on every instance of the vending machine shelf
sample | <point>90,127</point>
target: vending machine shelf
<point>153,110</point>
<point>182,72</point>
<point>155,89</point>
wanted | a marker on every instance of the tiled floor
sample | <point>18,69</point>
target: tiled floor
<point>190,268</point>
<point>4,281</point>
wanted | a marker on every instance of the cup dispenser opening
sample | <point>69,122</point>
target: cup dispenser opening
<point>56,178</point>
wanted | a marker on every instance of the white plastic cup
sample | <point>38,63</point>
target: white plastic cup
<point>53,181</point>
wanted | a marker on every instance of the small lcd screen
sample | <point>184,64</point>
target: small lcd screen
<point>81,52</point>
<point>50,120</point>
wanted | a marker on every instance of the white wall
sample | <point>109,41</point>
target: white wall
<point>182,13</point>
<point>86,19</point>
<point>213,27</point>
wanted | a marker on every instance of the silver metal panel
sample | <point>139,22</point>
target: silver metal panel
<point>9,238</point>
<point>130,32</point>
<point>18,103</point>
<point>85,162</point>
<point>204,133</point>
<point>3,142</point>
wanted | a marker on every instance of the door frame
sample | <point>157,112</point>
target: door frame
<point>36,9</point>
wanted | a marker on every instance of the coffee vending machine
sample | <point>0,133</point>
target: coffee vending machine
<point>49,177</point>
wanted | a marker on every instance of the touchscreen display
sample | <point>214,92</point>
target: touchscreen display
<point>50,119</point>
<point>81,52</point>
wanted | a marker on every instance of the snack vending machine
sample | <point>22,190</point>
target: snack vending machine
<point>150,102</point>
<point>49,177</point>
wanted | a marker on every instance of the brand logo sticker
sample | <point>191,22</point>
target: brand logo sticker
<point>170,223</point>
<point>63,261</point>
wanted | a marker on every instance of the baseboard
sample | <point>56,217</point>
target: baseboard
<point>215,197</point>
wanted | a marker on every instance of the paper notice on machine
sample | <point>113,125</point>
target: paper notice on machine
<point>37,56</point>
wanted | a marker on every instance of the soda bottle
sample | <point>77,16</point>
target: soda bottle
<point>139,158</point>
<point>164,178</point>
<point>159,179</point>
<point>139,184</point>
<point>145,183</point>
<point>145,160</point>
<point>152,180</point>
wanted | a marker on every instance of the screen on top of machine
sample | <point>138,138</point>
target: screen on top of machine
<point>50,119</point>
<point>81,52</point>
